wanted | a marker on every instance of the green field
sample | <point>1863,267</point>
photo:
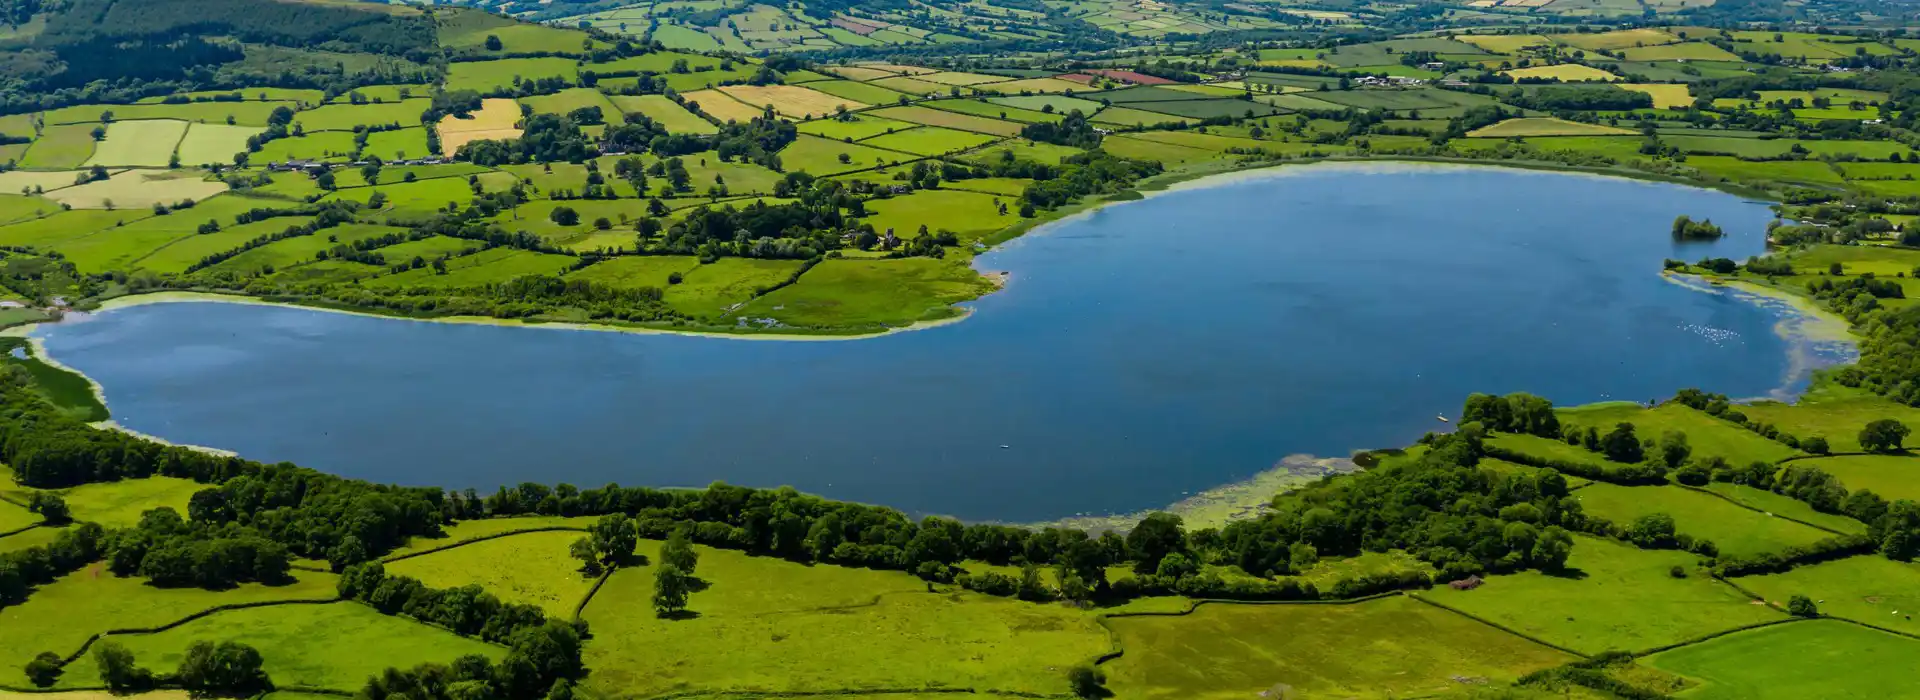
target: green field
<point>338,117</point>
<point>764,624</point>
<point>1784,506</point>
<point>870,292</point>
<point>566,101</point>
<point>1391,647</point>
<point>636,271</point>
<point>1891,476</point>
<point>325,145</point>
<point>490,266</point>
<point>489,76</point>
<point>1543,126</point>
<point>818,156</point>
<point>1839,419</point>
<point>63,614</point>
<point>532,568</point>
<point>120,503</point>
<point>669,114</point>
<point>178,256</point>
<point>1818,658</point>
<point>960,212</point>
<point>855,127</point>
<point>335,646</point>
<point>1708,436</point>
<point>713,290</point>
<point>929,141</point>
<point>60,147</point>
<point>1737,531</point>
<point>1618,597</point>
<point>1867,588</point>
<point>213,143</point>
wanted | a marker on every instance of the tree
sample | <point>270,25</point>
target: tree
<point>44,669</point>
<point>615,537</point>
<point>493,43</point>
<point>678,552</point>
<point>1087,681</point>
<point>229,669</point>
<point>1621,445</point>
<point>50,506</point>
<point>325,180</point>
<point>588,555</point>
<point>670,589</point>
<point>564,216</point>
<point>1802,606</point>
<point>1157,536</point>
<point>117,669</point>
<point>1673,448</point>
<point>1653,530</point>
<point>1884,435</point>
<point>1815,445</point>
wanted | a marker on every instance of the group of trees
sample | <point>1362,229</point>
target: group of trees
<point>209,669</point>
<point>1685,228</point>
<point>674,580</point>
<point>170,551</point>
<point>542,661</point>
<point>468,611</point>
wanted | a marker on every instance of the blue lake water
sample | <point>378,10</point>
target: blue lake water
<point>1142,352</point>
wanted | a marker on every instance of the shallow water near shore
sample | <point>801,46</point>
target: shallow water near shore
<point>1141,354</point>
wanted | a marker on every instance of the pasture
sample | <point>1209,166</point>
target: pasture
<point>335,646</point>
<point>634,271</point>
<point>1868,588</point>
<point>490,266</point>
<point>1837,419</point>
<point>319,145</point>
<point>1041,103</point>
<point>855,127</point>
<point>1816,658</point>
<point>871,293</point>
<point>566,101</point>
<point>1389,647</point>
<point>1621,39</point>
<point>489,76</point>
<point>344,117</point>
<point>532,568</point>
<point>61,615</point>
<point>177,256</point>
<point>1706,434</point>
<point>1665,95</point>
<point>990,110</point>
<point>666,112</point>
<point>1891,476</point>
<point>1735,530</point>
<point>715,289</point>
<point>951,210</point>
<point>818,156</point>
<point>929,141</point>
<point>1780,505</point>
<point>951,120</point>
<point>1614,596</point>
<point>60,147</point>
<point>858,92</point>
<point>1690,51</point>
<point>767,625</point>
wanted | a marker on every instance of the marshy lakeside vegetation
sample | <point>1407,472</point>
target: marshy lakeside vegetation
<point>832,168</point>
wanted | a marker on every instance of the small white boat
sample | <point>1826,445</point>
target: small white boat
<point>1443,419</point>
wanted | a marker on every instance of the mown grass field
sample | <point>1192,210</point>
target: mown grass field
<point>1839,419</point>
<point>335,645</point>
<point>176,257</point>
<point>470,530</point>
<point>1618,597</point>
<point>1735,530</point>
<point>532,568</point>
<point>1394,646</point>
<point>1817,658</point>
<point>636,271</point>
<point>120,503</point>
<point>952,210</point>
<point>61,615</point>
<point>213,143</point>
<point>1544,126</point>
<point>488,76</point>
<point>878,292</point>
<point>929,141</point>
<point>854,127</point>
<point>344,117</point>
<point>149,142</point>
<point>819,156</point>
<point>770,625</point>
<point>60,147</point>
<point>1780,505</point>
<point>485,267</point>
<point>140,189</point>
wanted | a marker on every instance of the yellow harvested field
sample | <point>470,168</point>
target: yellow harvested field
<point>791,100</point>
<point>139,189</point>
<point>1019,87</point>
<point>13,181</point>
<point>1544,126</point>
<point>1625,38</point>
<point>960,78</point>
<point>1664,94</point>
<point>495,120</point>
<point>1504,43</point>
<point>861,73</point>
<point>900,69</point>
<point>1565,72</point>
<point>720,106</point>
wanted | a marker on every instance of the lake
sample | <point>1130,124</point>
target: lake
<point>1140,353</point>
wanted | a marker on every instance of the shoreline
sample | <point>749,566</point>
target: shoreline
<point>1807,328</point>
